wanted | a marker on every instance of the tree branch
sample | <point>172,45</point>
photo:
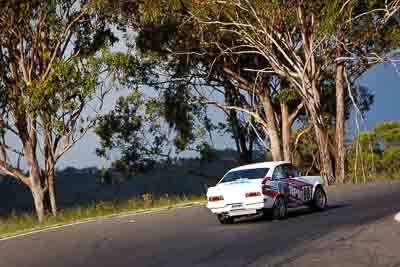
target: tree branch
<point>294,115</point>
<point>10,171</point>
<point>56,52</point>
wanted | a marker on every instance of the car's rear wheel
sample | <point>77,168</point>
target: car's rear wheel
<point>265,214</point>
<point>225,219</point>
<point>279,210</point>
<point>319,199</point>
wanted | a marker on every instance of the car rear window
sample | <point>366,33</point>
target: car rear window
<point>257,173</point>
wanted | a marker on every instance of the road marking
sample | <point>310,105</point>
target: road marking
<point>111,216</point>
<point>397,217</point>
<point>46,229</point>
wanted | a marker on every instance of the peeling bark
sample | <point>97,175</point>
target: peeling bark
<point>340,118</point>
<point>37,189</point>
<point>286,125</point>
<point>38,198</point>
<point>323,146</point>
<point>272,129</point>
<point>52,192</point>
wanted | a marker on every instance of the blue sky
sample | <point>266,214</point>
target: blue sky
<point>382,80</point>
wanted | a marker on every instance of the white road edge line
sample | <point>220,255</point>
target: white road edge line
<point>116,215</point>
<point>397,217</point>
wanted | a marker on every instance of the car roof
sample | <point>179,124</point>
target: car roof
<point>267,164</point>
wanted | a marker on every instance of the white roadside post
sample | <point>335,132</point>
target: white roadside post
<point>397,217</point>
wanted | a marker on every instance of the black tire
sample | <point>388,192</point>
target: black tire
<point>225,219</point>
<point>319,199</point>
<point>266,214</point>
<point>279,210</point>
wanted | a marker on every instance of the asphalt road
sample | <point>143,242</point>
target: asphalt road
<point>358,229</point>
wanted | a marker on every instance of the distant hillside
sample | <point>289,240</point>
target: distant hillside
<point>81,186</point>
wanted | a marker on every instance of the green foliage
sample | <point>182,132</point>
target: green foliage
<point>388,133</point>
<point>363,157</point>
<point>56,68</point>
<point>178,113</point>
<point>185,75</point>
<point>305,153</point>
<point>376,153</point>
<point>133,128</point>
<point>391,161</point>
<point>63,47</point>
<point>183,50</point>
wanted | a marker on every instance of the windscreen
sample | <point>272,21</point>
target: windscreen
<point>257,173</point>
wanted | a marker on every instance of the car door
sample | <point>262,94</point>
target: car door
<point>299,191</point>
<point>279,179</point>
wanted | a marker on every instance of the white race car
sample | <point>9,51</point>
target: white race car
<point>264,188</point>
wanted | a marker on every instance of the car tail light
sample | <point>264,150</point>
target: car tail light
<point>253,194</point>
<point>266,179</point>
<point>266,190</point>
<point>269,191</point>
<point>216,198</point>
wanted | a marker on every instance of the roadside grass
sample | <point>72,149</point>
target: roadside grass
<point>19,223</point>
<point>15,223</point>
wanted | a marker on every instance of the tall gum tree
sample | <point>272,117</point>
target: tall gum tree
<point>54,66</point>
<point>288,37</point>
<point>364,32</point>
<point>297,45</point>
<point>294,38</point>
<point>198,56</point>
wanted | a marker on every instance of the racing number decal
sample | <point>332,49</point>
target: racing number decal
<point>295,192</point>
<point>302,194</point>
<point>307,193</point>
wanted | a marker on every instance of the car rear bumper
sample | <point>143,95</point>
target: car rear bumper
<point>244,209</point>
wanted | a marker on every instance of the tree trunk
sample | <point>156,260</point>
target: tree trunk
<point>48,173</point>
<point>245,155</point>
<point>239,134</point>
<point>272,128</point>
<point>38,198</point>
<point>340,149</point>
<point>52,193</point>
<point>326,162</point>
<point>285,132</point>
<point>251,146</point>
<point>314,109</point>
<point>240,138</point>
<point>37,192</point>
<point>35,177</point>
<point>275,144</point>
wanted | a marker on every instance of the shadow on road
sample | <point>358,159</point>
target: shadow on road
<point>193,237</point>
<point>280,238</point>
<point>293,213</point>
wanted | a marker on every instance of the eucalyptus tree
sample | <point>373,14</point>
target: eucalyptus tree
<point>253,44</point>
<point>191,56</point>
<point>288,36</point>
<point>55,69</point>
<point>364,33</point>
<point>303,41</point>
<point>135,129</point>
